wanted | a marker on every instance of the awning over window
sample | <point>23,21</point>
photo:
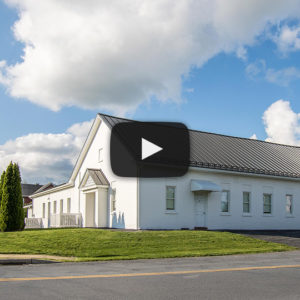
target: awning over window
<point>203,185</point>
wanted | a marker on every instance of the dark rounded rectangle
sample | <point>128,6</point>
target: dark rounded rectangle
<point>164,152</point>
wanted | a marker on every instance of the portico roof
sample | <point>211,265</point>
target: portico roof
<point>204,185</point>
<point>97,178</point>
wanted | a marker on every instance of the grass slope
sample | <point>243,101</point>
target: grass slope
<point>96,244</point>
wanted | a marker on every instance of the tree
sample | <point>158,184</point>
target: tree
<point>1,185</point>
<point>11,209</point>
<point>6,211</point>
<point>18,199</point>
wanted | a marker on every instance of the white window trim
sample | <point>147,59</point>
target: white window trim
<point>247,214</point>
<point>44,210</point>
<point>271,213</point>
<point>68,205</point>
<point>61,207</point>
<point>170,211</point>
<point>225,213</point>
<point>111,196</point>
<point>55,207</point>
<point>287,214</point>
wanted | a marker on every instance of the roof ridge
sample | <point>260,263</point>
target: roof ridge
<point>213,133</point>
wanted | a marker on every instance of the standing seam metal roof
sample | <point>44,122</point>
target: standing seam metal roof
<point>98,176</point>
<point>222,152</point>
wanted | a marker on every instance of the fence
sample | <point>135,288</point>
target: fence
<point>66,220</point>
<point>34,223</point>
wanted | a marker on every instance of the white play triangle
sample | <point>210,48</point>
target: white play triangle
<point>149,148</point>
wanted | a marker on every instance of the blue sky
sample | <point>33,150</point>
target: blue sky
<point>218,95</point>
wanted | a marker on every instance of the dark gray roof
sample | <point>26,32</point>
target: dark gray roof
<point>98,176</point>
<point>45,187</point>
<point>216,151</point>
<point>29,189</point>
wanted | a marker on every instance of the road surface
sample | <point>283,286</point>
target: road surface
<point>255,276</point>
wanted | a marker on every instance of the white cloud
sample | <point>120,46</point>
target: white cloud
<point>282,123</point>
<point>116,54</point>
<point>288,39</point>
<point>253,136</point>
<point>283,77</point>
<point>241,53</point>
<point>256,69</point>
<point>45,157</point>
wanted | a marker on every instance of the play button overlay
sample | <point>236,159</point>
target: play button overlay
<point>149,149</point>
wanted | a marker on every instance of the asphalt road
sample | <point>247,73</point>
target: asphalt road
<point>256,276</point>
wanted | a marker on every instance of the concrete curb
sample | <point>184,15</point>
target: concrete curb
<point>26,261</point>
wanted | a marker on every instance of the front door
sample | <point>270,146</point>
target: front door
<point>90,210</point>
<point>200,209</point>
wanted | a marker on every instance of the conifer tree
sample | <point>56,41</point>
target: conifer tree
<point>7,214</point>
<point>18,199</point>
<point>1,185</point>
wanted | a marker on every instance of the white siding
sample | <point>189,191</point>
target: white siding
<point>150,211</point>
<point>153,214</point>
<point>126,188</point>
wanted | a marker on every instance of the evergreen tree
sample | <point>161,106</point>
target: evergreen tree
<point>11,207</point>
<point>1,186</point>
<point>18,199</point>
<point>7,214</point>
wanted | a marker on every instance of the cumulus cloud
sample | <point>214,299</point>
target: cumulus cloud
<point>46,157</point>
<point>282,123</point>
<point>115,54</point>
<point>288,39</point>
<point>253,136</point>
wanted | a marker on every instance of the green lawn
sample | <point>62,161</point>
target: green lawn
<point>96,244</point>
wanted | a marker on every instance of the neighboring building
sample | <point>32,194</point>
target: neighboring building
<point>27,190</point>
<point>232,183</point>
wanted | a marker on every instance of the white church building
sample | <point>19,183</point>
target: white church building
<point>232,183</point>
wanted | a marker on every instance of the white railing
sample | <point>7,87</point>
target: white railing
<point>65,220</point>
<point>34,223</point>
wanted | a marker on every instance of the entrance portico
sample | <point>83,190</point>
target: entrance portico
<point>94,187</point>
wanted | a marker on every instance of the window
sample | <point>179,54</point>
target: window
<point>100,155</point>
<point>225,201</point>
<point>44,210</point>
<point>54,207</point>
<point>246,202</point>
<point>170,198</point>
<point>289,204</point>
<point>61,209</point>
<point>113,200</point>
<point>68,205</point>
<point>267,203</point>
